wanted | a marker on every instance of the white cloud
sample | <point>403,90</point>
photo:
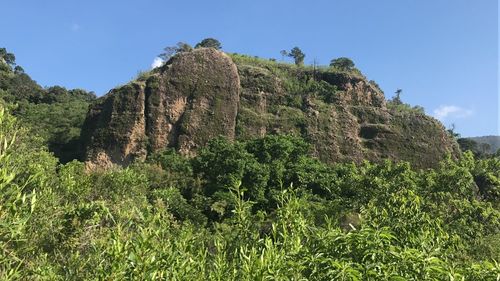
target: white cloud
<point>75,27</point>
<point>157,62</point>
<point>451,111</point>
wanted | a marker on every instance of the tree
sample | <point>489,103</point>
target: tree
<point>342,63</point>
<point>209,43</point>
<point>7,57</point>
<point>10,59</point>
<point>298,56</point>
<point>170,51</point>
<point>283,54</point>
<point>451,131</point>
<point>183,47</point>
<point>397,98</point>
<point>18,69</point>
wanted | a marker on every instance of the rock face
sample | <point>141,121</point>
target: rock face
<point>204,93</point>
<point>114,130</point>
<point>190,100</point>
<point>347,121</point>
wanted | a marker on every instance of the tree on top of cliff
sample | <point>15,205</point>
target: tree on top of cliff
<point>209,43</point>
<point>342,63</point>
<point>170,51</point>
<point>7,57</point>
<point>397,98</point>
<point>297,54</point>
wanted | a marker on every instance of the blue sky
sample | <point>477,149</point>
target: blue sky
<point>442,53</point>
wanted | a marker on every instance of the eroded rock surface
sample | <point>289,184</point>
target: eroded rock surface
<point>190,100</point>
<point>203,94</point>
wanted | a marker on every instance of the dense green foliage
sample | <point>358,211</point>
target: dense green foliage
<point>209,43</point>
<point>54,113</point>
<point>7,58</point>
<point>256,210</point>
<point>342,63</point>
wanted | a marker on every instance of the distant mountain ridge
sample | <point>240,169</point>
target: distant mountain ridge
<point>493,141</point>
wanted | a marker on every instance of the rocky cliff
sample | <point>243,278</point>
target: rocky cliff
<point>205,93</point>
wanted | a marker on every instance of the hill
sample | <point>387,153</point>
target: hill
<point>200,94</point>
<point>492,141</point>
<point>55,114</point>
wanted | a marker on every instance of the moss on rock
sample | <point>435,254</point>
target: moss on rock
<point>202,94</point>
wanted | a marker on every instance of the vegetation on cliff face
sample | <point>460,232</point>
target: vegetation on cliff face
<point>343,115</point>
<point>336,109</point>
<point>253,210</point>
<point>192,98</point>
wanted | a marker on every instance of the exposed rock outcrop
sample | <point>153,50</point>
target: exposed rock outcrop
<point>202,94</point>
<point>190,100</point>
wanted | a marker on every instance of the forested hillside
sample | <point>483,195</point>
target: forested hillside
<point>54,113</point>
<point>259,208</point>
<point>490,144</point>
